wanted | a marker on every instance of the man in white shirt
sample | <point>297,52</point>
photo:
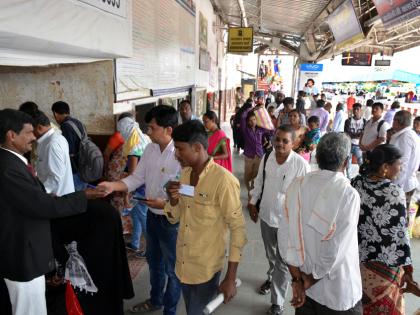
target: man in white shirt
<point>155,169</point>
<point>53,167</point>
<point>354,127</point>
<point>281,168</point>
<point>339,119</point>
<point>319,238</point>
<point>375,129</point>
<point>406,139</point>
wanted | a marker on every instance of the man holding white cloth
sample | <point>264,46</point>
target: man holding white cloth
<point>319,240</point>
<point>275,174</point>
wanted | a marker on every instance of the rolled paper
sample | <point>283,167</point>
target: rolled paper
<point>218,300</point>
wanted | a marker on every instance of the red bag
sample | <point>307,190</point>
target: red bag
<point>72,303</point>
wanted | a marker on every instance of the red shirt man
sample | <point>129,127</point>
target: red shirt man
<point>350,102</point>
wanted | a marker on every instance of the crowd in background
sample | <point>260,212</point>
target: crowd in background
<point>174,185</point>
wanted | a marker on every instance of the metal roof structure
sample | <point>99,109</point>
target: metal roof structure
<point>300,27</point>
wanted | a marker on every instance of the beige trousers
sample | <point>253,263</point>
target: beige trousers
<point>251,171</point>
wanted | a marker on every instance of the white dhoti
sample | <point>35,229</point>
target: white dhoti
<point>27,298</point>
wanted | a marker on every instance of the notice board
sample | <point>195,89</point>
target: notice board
<point>240,39</point>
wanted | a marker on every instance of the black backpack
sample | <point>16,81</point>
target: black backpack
<point>89,159</point>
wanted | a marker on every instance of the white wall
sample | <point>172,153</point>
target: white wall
<point>163,49</point>
<point>207,79</point>
<point>87,88</point>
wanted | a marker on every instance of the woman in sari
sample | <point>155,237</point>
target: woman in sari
<point>114,166</point>
<point>300,130</point>
<point>384,247</point>
<point>219,143</point>
<point>135,142</point>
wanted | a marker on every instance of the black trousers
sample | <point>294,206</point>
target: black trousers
<point>312,307</point>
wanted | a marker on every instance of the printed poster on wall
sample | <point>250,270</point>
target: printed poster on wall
<point>310,71</point>
<point>202,31</point>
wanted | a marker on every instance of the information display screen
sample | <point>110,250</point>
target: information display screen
<point>356,59</point>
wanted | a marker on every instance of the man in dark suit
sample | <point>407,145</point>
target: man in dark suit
<point>25,213</point>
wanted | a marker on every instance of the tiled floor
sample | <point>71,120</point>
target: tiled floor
<point>252,272</point>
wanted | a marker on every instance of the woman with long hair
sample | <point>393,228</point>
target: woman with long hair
<point>384,246</point>
<point>219,143</point>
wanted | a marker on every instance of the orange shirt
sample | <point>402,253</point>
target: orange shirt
<point>115,141</point>
<point>350,102</point>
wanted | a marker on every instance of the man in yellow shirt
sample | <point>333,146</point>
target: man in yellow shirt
<point>206,204</point>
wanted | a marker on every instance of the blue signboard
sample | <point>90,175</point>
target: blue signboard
<point>311,67</point>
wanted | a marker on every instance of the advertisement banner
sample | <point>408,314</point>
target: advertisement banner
<point>311,71</point>
<point>345,25</point>
<point>397,11</point>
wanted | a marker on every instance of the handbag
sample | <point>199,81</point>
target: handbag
<point>262,188</point>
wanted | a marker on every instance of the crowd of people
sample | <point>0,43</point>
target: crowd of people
<point>387,150</point>
<point>341,245</point>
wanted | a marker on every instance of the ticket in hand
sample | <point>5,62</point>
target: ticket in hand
<point>186,190</point>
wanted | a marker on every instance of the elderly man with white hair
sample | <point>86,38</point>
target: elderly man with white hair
<point>406,139</point>
<point>319,238</point>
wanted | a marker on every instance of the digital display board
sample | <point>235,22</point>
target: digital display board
<point>356,59</point>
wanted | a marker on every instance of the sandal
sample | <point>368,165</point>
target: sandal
<point>144,307</point>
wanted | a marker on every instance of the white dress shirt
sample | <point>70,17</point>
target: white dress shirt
<point>339,120</point>
<point>334,261</point>
<point>409,144</point>
<point>154,169</point>
<point>277,180</point>
<point>54,167</point>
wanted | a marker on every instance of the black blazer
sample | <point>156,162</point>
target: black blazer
<point>25,213</point>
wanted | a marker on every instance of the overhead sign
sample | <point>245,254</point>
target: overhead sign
<point>383,63</point>
<point>240,39</point>
<point>117,7</point>
<point>356,59</point>
<point>310,67</point>
<point>345,25</point>
<point>396,12</point>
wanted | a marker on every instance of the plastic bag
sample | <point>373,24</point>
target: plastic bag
<point>72,303</point>
<point>412,211</point>
<point>263,119</point>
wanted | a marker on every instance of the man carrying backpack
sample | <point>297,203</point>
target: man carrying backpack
<point>85,165</point>
<point>375,129</point>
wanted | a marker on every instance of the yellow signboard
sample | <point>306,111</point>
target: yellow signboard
<point>240,39</point>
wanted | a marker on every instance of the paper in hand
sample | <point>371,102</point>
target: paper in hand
<point>186,190</point>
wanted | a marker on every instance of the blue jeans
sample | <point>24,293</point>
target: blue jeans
<point>161,256</point>
<point>355,149</point>
<point>139,217</point>
<point>197,296</point>
<point>79,184</point>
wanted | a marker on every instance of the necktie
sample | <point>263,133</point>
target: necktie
<point>31,170</point>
